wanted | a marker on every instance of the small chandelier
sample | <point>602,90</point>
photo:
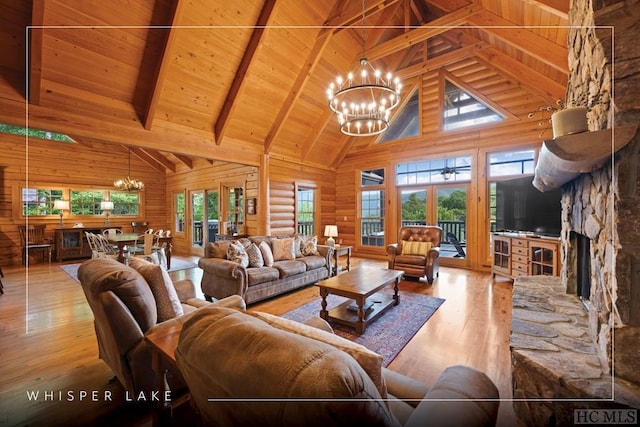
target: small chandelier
<point>363,101</point>
<point>128,184</point>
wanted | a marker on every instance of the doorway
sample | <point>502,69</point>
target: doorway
<point>204,218</point>
<point>444,205</point>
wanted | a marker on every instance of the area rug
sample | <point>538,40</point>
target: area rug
<point>176,264</point>
<point>388,334</point>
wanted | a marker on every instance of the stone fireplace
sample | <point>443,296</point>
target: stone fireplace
<point>570,352</point>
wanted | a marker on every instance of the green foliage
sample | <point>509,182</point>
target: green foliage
<point>414,208</point>
<point>33,133</point>
<point>453,207</point>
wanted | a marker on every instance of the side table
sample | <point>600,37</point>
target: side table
<point>338,251</point>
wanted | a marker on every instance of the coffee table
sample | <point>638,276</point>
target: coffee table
<point>361,285</point>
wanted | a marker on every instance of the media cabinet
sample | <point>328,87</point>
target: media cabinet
<point>516,254</point>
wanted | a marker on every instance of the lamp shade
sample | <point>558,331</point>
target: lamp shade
<point>61,205</point>
<point>106,205</point>
<point>330,230</point>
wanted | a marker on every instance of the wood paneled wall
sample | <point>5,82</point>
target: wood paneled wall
<point>51,164</point>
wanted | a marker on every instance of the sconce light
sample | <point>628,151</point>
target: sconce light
<point>107,207</point>
<point>330,231</point>
<point>61,205</point>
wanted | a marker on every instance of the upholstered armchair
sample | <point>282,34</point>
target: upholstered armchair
<point>417,251</point>
<point>127,303</point>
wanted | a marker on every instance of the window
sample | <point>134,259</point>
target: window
<point>511,163</point>
<point>305,208</point>
<point>34,133</point>
<point>406,122</point>
<point>87,202</point>
<point>179,212</point>
<point>463,110</point>
<point>39,201</point>
<point>125,203</point>
<point>372,210</point>
<point>451,169</point>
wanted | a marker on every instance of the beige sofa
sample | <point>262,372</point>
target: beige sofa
<point>223,277</point>
<point>129,303</point>
<point>258,369</point>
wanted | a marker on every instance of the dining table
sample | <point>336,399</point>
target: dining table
<point>125,239</point>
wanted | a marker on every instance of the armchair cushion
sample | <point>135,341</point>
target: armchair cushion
<point>167,301</point>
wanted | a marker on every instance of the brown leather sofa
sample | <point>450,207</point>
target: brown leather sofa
<point>125,308</point>
<point>223,277</point>
<point>258,369</point>
<point>416,264</point>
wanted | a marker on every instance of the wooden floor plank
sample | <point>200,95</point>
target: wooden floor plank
<point>47,342</point>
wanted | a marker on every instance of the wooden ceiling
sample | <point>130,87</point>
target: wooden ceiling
<point>183,79</point>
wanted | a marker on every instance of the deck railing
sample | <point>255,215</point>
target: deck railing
<point>373,230</point>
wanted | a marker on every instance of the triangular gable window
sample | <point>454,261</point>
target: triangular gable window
<point>463,110</point>
<point>34,133</point>
<point>406,122</point>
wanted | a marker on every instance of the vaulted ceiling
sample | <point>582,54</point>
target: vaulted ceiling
<point>183,79</point>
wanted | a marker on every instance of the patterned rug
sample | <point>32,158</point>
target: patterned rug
<point>176,264</point>
<point>389,333</point>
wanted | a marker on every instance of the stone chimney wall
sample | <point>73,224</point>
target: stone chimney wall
<point>605,204</point>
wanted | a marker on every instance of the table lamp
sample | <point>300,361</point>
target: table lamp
<point>107,207</point>
<point>61,205</point>
<point>330,231</point>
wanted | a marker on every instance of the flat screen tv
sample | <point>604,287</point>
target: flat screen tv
<point>520,207</point>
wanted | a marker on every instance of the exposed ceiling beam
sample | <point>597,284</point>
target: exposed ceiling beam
<point>147,158</point>
<point>313,58</point>
<point>161,159</point>
<point>527,41</point>
<point>188,161</point>
<point>440,61</point>
<point>239,80</point>
<point>161,72</point>
<point>559,8</point>
<point>317,132</point>
<point>425,32</point>
<point>35,52</point>
<point>353,14</point>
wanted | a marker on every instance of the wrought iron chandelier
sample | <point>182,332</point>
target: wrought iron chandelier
<point>128,184</point>
<point>364,99</point>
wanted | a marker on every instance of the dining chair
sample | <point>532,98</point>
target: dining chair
<point>32,238</point>
<point>143,248</point>
<point>139,227</point>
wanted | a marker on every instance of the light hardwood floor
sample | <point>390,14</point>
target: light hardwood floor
<point>47,343</point>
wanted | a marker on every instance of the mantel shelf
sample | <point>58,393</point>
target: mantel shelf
<point>564,158</point>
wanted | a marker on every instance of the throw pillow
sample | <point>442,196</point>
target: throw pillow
<point>370,361</point>
<point>310,246</point>
<point>267,255</point>
<point>283,249</point>
<point>167,302</point>
<point>237,253</point>
<point>255,256</point>
<point>299,241</point>
<point>411,247</point>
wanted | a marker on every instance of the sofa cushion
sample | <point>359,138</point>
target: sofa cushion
<point>217,249</point>
<point>237,253</point>
<point>283,249</point>
<point>167,302</point>
<point>261,275</point>
<point>267,254</point>
<point>290,268</point>
<point>255,256</point>
<point>313,262</point>
<point>370,361</point>
<point>411,247</point>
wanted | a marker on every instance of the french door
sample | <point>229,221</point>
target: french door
<point>444,205</point>
<point>203,217</point>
